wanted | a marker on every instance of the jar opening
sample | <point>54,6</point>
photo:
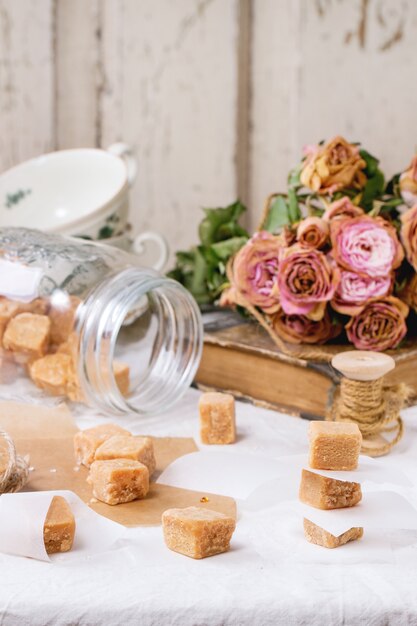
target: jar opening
<point>140,343</point>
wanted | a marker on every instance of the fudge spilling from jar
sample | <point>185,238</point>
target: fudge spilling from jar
<point>41,338</point>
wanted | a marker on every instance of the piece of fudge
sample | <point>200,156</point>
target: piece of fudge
<point>217,418</point>
<point>197,532</point>
<point>39,306</point>
<point>87,441</point>
<point>8,309</point>
<point>328,493</point>
<point>27,334</point>
<point>319,536</point>
<point>128,447</point>
<point>121,371</point>
<point>62,318</point>
<point>51,373</point>
<point>59,527</point>
<point>334,445</point>
<point>70,346</point>
<point>119,480</point>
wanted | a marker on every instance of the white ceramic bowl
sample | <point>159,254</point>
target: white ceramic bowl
<point>82,192</point>
<point>73,192</point>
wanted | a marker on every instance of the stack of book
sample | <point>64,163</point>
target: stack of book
<point>240,357</point>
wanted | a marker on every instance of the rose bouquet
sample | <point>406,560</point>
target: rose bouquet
<point>336,256</point>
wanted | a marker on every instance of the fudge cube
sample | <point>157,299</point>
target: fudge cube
<point>128,447</point>
<point>59,527</point>
<point>119,480</point>
<point>87,441</point>
<point>62,317</point>
<point>70,346</point>
<point>28,334</point>
<point>38,306</point>
<point>197,532</point>
<point>122,376</point>
<point>51,373</point>
<point>334,445</point>
<point>217,418</point>
<point>8,309</point>
<point>319,536</point>
<point>121,371</point>
<point>328,493</point>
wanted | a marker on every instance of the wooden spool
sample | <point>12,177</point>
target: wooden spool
<point>364,366</point>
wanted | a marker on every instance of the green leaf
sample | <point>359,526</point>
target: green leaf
<point>393,202</point>
<point>197,285</point>
<point>371,163</point>
<point>231,229</point>
<point>393,185</point>
<point>225,249</point>
<point>202,269</point>
<point>294,177</point>
<point>210,228</point>
<point>294,211</point>
<point>278,215</point>
<point>373,188</point>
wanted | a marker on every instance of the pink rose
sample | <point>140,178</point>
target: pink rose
<point>312,232</point>
<point>409,235</point>
<point>342,208</point>
<point>366,245</point>
<point>354,291</point>
<point>307,280</point>
<point>380,325</point>
<point>300,329</point>
<point>255,271</point>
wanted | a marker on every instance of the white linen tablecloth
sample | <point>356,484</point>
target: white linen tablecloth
<point>268,577</point>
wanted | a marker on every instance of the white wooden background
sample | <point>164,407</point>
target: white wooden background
<point>216,96</point>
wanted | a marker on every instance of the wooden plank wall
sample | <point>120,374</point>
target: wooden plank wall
<point>217,97</point>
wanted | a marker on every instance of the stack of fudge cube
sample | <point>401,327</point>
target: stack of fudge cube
<point>120,464</point>
<point>333,446</point>
<point>41,338</point>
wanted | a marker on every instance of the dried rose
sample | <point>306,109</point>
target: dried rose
<point>342,208</point>
<point>409,292</point>
<point>366,245</point>
<point>307,280</point>
<point>312,232</point>
<point>301,329</point>
<point>354,291</point>
<point>287,237</point>
<point>228,298</point>
<point>379,326</point>
<point>408,183</point>
<point>255,271</point>
<point>409,235</point>
<point>335,166</point>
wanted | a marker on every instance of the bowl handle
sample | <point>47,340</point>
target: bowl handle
<point>125,152</point>
<point>139,247</point>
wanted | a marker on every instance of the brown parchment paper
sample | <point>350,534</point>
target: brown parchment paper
<point>46,434</point>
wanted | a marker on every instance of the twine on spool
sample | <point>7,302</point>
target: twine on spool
<point>375,408</point>
<point>16,473</point>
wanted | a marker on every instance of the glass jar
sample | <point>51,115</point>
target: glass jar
<point>83,320</point>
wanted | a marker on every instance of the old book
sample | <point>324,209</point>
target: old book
<point>239,357</point>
